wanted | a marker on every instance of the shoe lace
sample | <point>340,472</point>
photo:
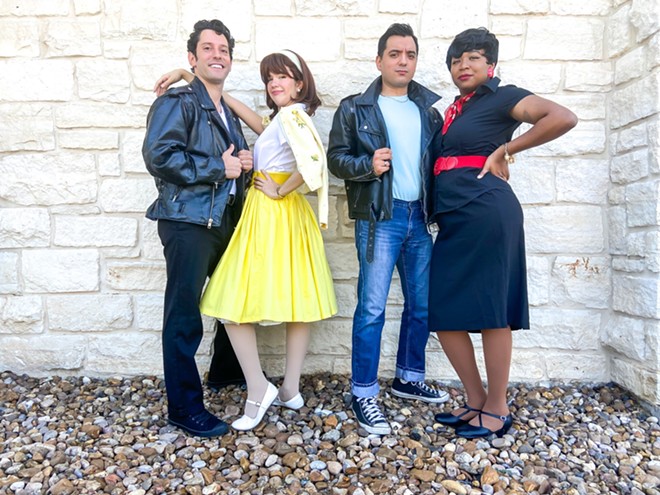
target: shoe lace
<point>425,388</point>
<point>371,411</point>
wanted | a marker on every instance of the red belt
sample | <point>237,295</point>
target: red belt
<point>449,162</point>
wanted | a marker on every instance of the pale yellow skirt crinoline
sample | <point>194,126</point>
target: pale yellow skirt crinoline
<point>274,268</point>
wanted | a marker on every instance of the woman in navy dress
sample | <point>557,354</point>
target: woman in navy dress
<point>478,274</point>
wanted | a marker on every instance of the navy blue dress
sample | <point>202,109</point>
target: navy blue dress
<point>478,271</point>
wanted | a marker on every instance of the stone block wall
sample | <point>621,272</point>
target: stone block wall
<point>81,269</point>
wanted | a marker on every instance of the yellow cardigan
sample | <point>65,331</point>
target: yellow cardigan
<point>305,142</point>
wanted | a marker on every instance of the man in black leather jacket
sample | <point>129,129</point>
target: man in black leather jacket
<point>380,144</point>
<point>195,149</point>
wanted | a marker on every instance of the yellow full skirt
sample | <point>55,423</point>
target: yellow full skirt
<point>274,269</point>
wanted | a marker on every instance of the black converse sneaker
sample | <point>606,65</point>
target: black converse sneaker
<point>369,415</point>
<point>418,390</point>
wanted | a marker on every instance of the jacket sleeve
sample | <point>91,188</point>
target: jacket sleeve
<point>344,161</point>
<point>166,150</point>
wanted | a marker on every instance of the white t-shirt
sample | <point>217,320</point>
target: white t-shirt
<point>272,153</point>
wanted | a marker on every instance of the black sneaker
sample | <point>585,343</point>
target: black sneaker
<point>369,415</point>
<point>202,424</point>
<point>419,391</point>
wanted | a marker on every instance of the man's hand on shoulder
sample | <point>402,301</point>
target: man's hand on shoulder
<point>232,163</point>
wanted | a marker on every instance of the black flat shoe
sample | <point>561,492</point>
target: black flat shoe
<point>469,431</point>
<point>202,424</point>
<point>449,419</point>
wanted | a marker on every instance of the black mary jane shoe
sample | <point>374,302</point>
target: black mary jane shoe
<point>470,431</point>
<point>449,419</point>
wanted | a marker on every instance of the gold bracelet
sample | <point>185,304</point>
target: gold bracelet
<point>277,191</point>
<point>509,158</point>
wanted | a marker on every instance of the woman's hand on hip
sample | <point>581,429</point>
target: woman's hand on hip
<point>496,165</point>
<point>266,185</point>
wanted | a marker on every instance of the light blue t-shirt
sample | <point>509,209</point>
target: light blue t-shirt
<point>404,131</point>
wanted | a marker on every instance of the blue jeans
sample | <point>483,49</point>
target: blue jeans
<point>404,242</point>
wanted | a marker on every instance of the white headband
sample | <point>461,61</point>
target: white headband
<point>293,57</point>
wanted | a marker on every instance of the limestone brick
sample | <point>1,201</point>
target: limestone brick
<point>124,353</point>
<point>272,340</point>
<point>538,280</point>
<point>589,76</point>
<point>360,49</point>
<point>291,31</point>
<point>582,181</point>
<point>654,146</point>
<point>629,167</point>
<point>644,92</point>
<point>18,36</point>
<point>135,276</point>
<point>653,251</point>
<point>630,66</point>
<point>519,6</point>
<point>54,8</point>
<point>88,139</point>
<point>618,230</point>
<point>591,366</point>
<point>564,38</point>
<point>131,152</point>
<point>624,335</point>
<point>43,354</point>
<point>580,280</point>
<point>533,180</point>
<point>527,364</point>
<point>636,295</point>
<point>346,300</point>
<point>117,49</point>
<point>557,229</point>
<point>270,8</point>
<point>510,48</point>
<point>21,315</point>
<point>342,259</point>
<point>96,231</point>
<point>439,21</point>
<point>507,25</point>
<point>351,8</point>
<point>356,78</point>
<point>636,244</point>
<point>587,137</point>
<point>148,310</point>
<point>588,106</point>
<point>87,7</point>
<point>619,31</point>
<point>237,16</point>
<point>125,19</point>
<point>60,270</point>
<point>645,16</point>
<point>127,195</point>
<point>89,313</point>
<point>48,179</point>
<point>365,28</point>
<point>653,52</point>
<point>73,37</point>
<point>628,265</point>
<point>85,115</point>
<point>642,206</point>
<point>397,7</point>
<point>616,195</point>
<point>24,227</point>
<point>571,7</point>
<point>339,344</point>
<point>636,136</point>
<point>561,329</point>
<point>631,375</point>
<point>331,232</point>
<point>526,75</point>
<point>8,272</point>
<point>27,127</point>
<point>103,80</point>
<point>148,62</point>
<point>152,248</point>
<point>36,80</point>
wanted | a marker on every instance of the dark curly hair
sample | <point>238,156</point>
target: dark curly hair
<point>471,40</point>
<point>215,25</point>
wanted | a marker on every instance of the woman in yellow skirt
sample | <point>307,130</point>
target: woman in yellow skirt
<point>275,269</point>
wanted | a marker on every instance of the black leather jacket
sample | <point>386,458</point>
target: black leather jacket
<point>358,129</point>
<point>183,149</point>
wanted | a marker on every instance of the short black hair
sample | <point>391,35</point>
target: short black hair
<point>472,40</point>
<point>215,25</point>
<point>396,29</point>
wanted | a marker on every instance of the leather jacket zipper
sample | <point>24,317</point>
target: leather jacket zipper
<point>214,187</point>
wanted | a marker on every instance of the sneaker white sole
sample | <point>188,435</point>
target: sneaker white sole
<point>444,397</point>
<point>376,430</point>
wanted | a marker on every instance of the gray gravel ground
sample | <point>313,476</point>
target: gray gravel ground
<point>79,435</point>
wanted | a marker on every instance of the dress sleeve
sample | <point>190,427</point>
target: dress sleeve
<point>510,96</point>
<point>311,161</point>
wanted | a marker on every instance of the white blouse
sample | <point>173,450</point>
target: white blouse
<point>272,152</point>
